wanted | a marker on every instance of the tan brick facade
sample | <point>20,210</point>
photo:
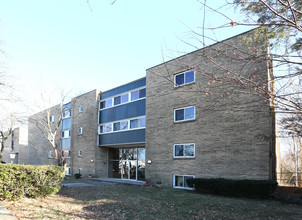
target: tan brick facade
<point>226,143</point>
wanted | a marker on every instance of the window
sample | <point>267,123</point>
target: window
<point>52,118</point>
<point>117,100</point>
<point>67,171</point>
<point>66,153</point>
<point>80,171</point>
<point>184,78</point>
<point>124,98</point>
<point>180,181</point>
<point>184,151</point>
<point>184,114</point>
<point>106,104</point>
<point>50,154</point>
<point>142,93</point>
<point>123,125</point>
<point>134,95</point>
<point>66,114</point>
<point>81,109</point>
<point>80,131</point>
<point>137,123</point>
<point>80,152</point>
<point>66,134</point>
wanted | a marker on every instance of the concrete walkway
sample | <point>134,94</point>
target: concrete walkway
<point>5,214</point>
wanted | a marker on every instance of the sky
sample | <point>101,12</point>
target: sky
<point>72,45</point>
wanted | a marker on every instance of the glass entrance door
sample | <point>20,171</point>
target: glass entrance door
<point>127,163</point>
<point>129,169</point>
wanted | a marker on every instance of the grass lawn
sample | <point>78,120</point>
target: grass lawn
<point>131,202</point>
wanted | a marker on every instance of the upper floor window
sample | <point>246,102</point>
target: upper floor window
<point>81,109</point>
<point>135,123</point>
<point>184,78</point>
<point>51,118</point>
<point>66,153</point>
<point>80,152</point>
<point>66,114</point>
<point>80,131</point>
<point>66,134</point>
<point>184,114</point>
<point>184,151</point>
<point>124,98</point>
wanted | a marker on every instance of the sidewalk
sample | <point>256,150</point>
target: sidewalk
<point>5,214</point>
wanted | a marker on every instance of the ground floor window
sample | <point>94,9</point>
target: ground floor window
<point>127,163</point>
<point>67,171</point>
<point>180,181</point>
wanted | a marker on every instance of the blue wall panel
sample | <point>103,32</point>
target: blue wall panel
<point>130,110</point>
<point>136,84</point>
<point>136,136</point>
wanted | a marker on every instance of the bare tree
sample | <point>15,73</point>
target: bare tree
<point>7,125</point>
<point>48,122</point>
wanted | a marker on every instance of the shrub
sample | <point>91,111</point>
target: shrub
<point>17,181</point>
<point>244,188</point>
<point>77,175</point>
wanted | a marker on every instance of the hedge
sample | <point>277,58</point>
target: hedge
<point>17,181</point>
<point>228,187</point>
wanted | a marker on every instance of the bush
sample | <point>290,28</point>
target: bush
<point>17,181</point>
<point>244,188</point>
<point>77,175</point>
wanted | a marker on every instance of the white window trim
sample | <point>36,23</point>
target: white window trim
<point>64,117</point>
<point>179,187</point>
<point>183,156</point>
<point>175,85</point>
<point>80,130</point>
<point>52,119</point>
<point>64,133</point>
<point>50,155</point>
<point>129,98</point>
<point>81,109</point>
<point>69,171</point>
<point>68,156</point>
<point>129,129</point>
<point>80,152</point>
<point>191,119</point>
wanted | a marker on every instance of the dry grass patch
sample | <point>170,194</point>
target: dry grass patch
<point>129,202</point>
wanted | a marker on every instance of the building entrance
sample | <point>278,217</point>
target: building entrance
<point>127,163</point>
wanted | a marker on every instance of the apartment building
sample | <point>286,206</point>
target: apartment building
<point>15,147</point>
<point>185,119</point>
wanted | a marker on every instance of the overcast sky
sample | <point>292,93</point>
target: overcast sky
<point>72,45</point>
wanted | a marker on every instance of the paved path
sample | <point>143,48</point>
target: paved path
<point>5,214</point>
<point>86,184</point>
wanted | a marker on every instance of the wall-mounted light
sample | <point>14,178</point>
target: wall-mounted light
<point>12,156</point>
<point>149,161</point>
<point>91,160</point>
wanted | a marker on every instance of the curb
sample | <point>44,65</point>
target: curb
<point>5,214</point>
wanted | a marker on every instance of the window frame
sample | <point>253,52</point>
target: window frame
<point>122,130</point>
<point>68,173</point>
<point>129,95</point>
<point>81,109</point>
<point>184,108</point>
<point>64,116</point>
<point>80,152</point>
<point>68,132</point>
<point>52,118</point>
<point>184,73</point>
<point>80,130</point>
<point>182,187</point>
<point>180,157</point>
<point>80,170</point>
<point>50,154</point>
